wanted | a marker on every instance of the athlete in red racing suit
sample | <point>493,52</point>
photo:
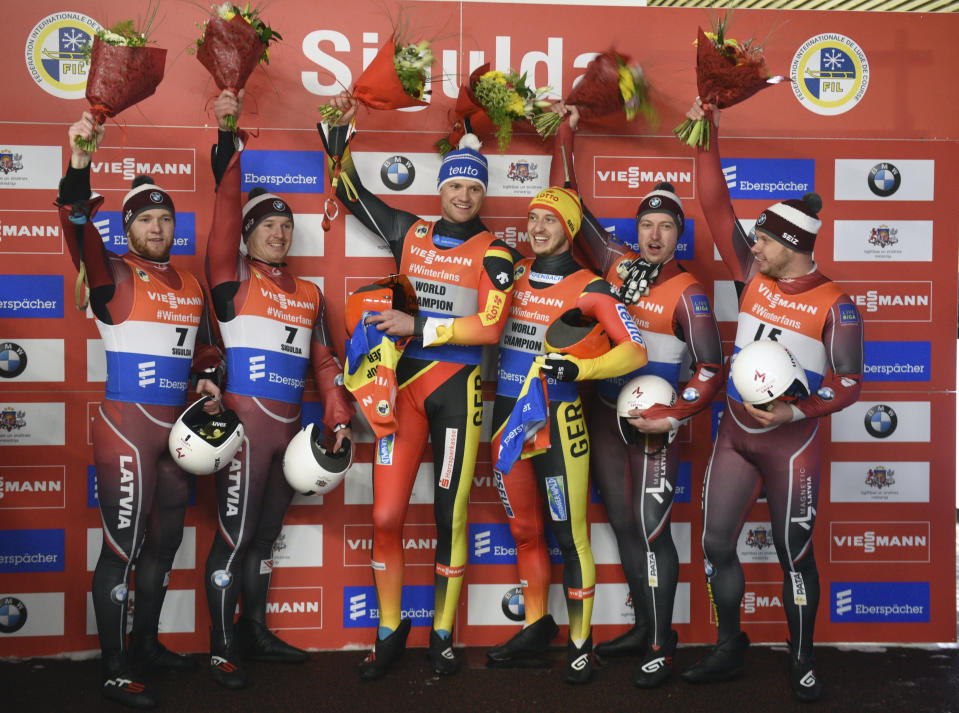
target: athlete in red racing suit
<point>638,481</point>
<point>150,316</point>
<point>274,326</point>
<point>785,299</point>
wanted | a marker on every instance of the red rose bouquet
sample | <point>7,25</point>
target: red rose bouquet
<point>727,72</point>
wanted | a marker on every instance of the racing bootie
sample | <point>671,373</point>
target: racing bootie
<point>579,662</point>
<point>225,666</point>
<point>122,686</point>
<point>805,685</point>
<point>441,655</point>
<point>634,642</point>
<point>148,654</point>
<point>658,664</point>
<point>385,652</point>
<point>257,643</point>
<point>723,662</point>
<point>526,643</point>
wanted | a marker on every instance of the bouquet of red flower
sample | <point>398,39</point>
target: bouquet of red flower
<point>491,101</point>
<point>235,40</point>
<point>123,71</point>
<point>611,83</point>
<point>395,79</point>
<point>727,72</point>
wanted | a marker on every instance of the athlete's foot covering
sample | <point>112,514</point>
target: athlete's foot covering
<point>803,680</point>
<point>441,654</point>
<point>723,662</point>
<point>658,663</point>
<point>579,662</point>
<point>258,643</point>
<point>120,685</point>
<point>148,654</point>
<point>385,652</point>
<point>634,642</point>
<point>225,666</point>
<point>528,642</point>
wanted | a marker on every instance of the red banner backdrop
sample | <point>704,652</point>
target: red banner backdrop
<point>866,123</point>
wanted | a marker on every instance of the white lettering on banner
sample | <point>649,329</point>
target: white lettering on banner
<point>292,607</point>
<point>130,168</point>
<point>233,489</point>
<point>633,177</point>
<point>29,231</point>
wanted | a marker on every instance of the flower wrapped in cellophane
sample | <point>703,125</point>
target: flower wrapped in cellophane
<point>611,83</point>
<point>397,77</point>
<point>727,72</point>
<point>123,71</point>
<point>234,41</point>
<point>494,101</point>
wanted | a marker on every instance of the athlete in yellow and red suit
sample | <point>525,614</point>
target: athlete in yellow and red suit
<point>546,287</point>
<point>463,279</point>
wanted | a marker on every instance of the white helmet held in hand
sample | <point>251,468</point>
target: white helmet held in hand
<point>201,443</point>
<point>640,393</point>
<point>764,371</point>
<point>310,468</point>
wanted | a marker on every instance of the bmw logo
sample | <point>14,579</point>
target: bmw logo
<point>13,360</point>
<point>221,579</point>
<point>513,606</point>
<point>279,205</point>
<point>708,566</point>
<point>655,202</point>
<point>826,393</point>
<point>881,421</point>
<point>884,179</point>
<point>690,394</point>
<point>761,219</point>
<point>156,196</point>
<point>119,593</point>
<point>397,173</point>
<point>13,615</point>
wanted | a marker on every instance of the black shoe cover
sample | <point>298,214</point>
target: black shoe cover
<point>579,662</point>
<point>658,663</point>
<point>122,686</point>
<point>225,666</point>
<point>385,652</point>
<point>723,662</point>
<point>526,643</point>
<point>257,643</point>
<point>441,655</point>
<point>805,685</point>
<point>148,654</point>
<point>634,642</point>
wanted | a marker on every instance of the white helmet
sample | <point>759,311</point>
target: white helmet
<point>202,443</point>
<point>640,393</point>
<point>764,371</point>
<point>310,468</point>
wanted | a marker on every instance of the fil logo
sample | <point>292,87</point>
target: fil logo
<point>843,601</point>
<point>257,367</point>
<point>481,543</point>
<point>357,606</point>
<point>147,372</point>
<point>729,173</point>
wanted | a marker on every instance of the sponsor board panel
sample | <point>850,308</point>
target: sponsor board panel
<point>31,614</point>
<point>109,223</point>
<point>606,551</point>
<point>624,230</point>
<point>31,296</point>
<point>282,172</point>
<point>879,481</point>
<point>113,168</point>
<point>309,239</point>
<point>30,167</point>
<point>360,609</point>
<point>299,546</point>
<point>96,360</point>
<point>32,424</point>
<point>358,488</point>
<point>891,301</point>
<point>769,178</point>
<point>755,543</point>
<point>897,361</point>
<point>870,421</point>
<point>879,542</point>
<point>30,232</point>
<point>882,240</point>
<point>294,608</point>
<point>24,360</point>
<point>419,544</point>
<point>900,179</point>
<point>493,543</point>
<point>185,557</point>
<point>725,301</point>
<point>32,487</point>
<point>178,615</point>
<point>879,602</point>
<point>32,551</point>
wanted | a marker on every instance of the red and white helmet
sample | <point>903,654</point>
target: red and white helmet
<point>202,443</point>
<point>764,371</point>
<point>640,393</point>
<point>310,468</point>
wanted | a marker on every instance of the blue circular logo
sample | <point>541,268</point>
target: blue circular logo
<point>156,196</point>
<point>13,615</point>
<point>513,606</point>
<point>221,579</point>
<point>881,421</point>
<point>119,593</point>
<point>884,179</point>
<point>13,360</point>
<point>397,173</point>
<point>690,394</point>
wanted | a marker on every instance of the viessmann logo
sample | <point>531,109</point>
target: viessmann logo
<point>879,542</point>
<point>891,301</point>
<point>172,168</point>
<point>635,176</point>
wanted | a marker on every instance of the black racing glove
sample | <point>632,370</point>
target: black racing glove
<point>638,277</point>
<point>560,367</point>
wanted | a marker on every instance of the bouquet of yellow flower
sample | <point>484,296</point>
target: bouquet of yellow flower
<point>494,100</point>
<point>727,72</point>
<point>396,78</point>
<point>611,83</point>
<point>123,71</point>
<point>234,41</point>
